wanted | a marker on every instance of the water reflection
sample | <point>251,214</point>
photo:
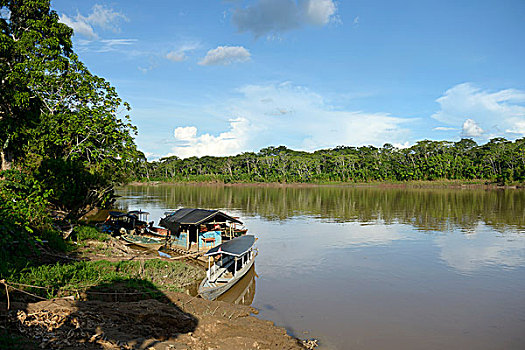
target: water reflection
<point>243,292</point>
<point>482,247</point>
<point>425,209</point>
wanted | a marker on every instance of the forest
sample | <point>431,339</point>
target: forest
<point>497,161</point>
<point>65,137</point>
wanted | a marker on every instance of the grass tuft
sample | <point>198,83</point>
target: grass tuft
<point>84,233</point>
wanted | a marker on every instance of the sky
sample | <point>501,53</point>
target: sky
<point>226,77</point>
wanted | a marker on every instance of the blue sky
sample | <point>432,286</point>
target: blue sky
<point>226,77</point>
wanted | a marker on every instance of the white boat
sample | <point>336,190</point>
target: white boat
<point>227,264</point>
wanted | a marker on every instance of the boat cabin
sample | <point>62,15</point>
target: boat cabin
<point>198,229</point>
<point>230,256</point>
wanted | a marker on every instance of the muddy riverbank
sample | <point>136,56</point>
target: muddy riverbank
<point>450,184</point>
<point>119,316</point>
<point>178,321</point>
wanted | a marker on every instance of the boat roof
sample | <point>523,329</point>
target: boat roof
<point>235,247</point>
<point>193,216</point>
<point>117,214</point>
<point>138,212</point>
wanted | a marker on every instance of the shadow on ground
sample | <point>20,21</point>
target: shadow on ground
<point>127,314</point>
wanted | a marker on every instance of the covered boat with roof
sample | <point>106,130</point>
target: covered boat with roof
<point>200,229</point>
<point>227,264</point>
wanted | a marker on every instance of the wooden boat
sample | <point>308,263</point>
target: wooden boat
<point>231,261</point>
<point>120,223</point>
<point>156,231</point>
<point>153,243</point>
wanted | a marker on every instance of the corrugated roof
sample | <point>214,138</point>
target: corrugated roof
<point>193,216</point>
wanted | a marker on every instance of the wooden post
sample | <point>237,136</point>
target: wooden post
<point>209,267</point>
<point>198,238</point>
<point>235,266</point>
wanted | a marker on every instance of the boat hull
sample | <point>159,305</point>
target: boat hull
<point>145,242</point>
<point>213,292</point>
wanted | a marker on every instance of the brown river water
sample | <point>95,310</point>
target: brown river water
<point>375,268</point>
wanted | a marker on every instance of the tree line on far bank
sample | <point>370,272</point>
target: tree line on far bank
<point>497,161</point>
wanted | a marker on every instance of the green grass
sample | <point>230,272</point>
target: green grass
<point>71,279</point>
<point>84,233</point>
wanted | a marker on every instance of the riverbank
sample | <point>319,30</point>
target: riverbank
<point>104,294</point>
<point>178,321</point>
<point>452,184</point>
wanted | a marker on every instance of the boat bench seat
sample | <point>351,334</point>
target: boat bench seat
<point>223,280</point>
<point>220,271</point>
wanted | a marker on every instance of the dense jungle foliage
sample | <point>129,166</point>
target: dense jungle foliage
<point>498,161</point>
<point>64,142</point>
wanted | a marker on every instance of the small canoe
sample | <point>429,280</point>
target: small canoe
<point>153,243</point>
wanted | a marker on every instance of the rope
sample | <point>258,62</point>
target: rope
<point>27,285</point>
<point>73,290</point>
<point>20,290</point>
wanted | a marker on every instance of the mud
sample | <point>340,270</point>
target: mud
<point>178,322</point>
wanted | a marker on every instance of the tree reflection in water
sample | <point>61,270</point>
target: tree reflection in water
<point>425,209</point>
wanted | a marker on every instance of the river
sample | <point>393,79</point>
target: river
<point>373,267</point>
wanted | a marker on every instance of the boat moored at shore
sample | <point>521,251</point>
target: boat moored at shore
<point>227,264</point>
<point>192,229</point>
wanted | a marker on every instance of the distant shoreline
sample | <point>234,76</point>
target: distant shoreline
<point>451,184</point>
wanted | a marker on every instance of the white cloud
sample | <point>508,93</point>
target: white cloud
<point>318,12</point>
<point>186,133</point>
<point>224,55</point>
<point>176,56</point>
<point>284,114</point>
<point>113,44</point>
<point>444,128</point>
<point>226,143</point>
<point>101,16</point>
<point>179,54</point>
<point>403,145</point>
<point>277,16</point>
<point>500,113</point>
<point>79,26</point>
<point>471,129</point>
<point>106,18</point>
<point>517,126</point>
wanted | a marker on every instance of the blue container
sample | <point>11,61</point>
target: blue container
<point>209,239</point>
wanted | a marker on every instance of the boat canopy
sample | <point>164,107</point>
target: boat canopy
<point>192,216</point>
<point>235,247</point>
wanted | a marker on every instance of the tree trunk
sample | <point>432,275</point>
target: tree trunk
<point>6,160</point>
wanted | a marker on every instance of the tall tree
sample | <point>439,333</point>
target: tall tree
<point>56,118</point>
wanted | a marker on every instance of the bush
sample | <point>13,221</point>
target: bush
<point>23,219</point>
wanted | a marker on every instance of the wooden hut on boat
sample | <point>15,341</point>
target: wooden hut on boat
<point>200,229</point>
